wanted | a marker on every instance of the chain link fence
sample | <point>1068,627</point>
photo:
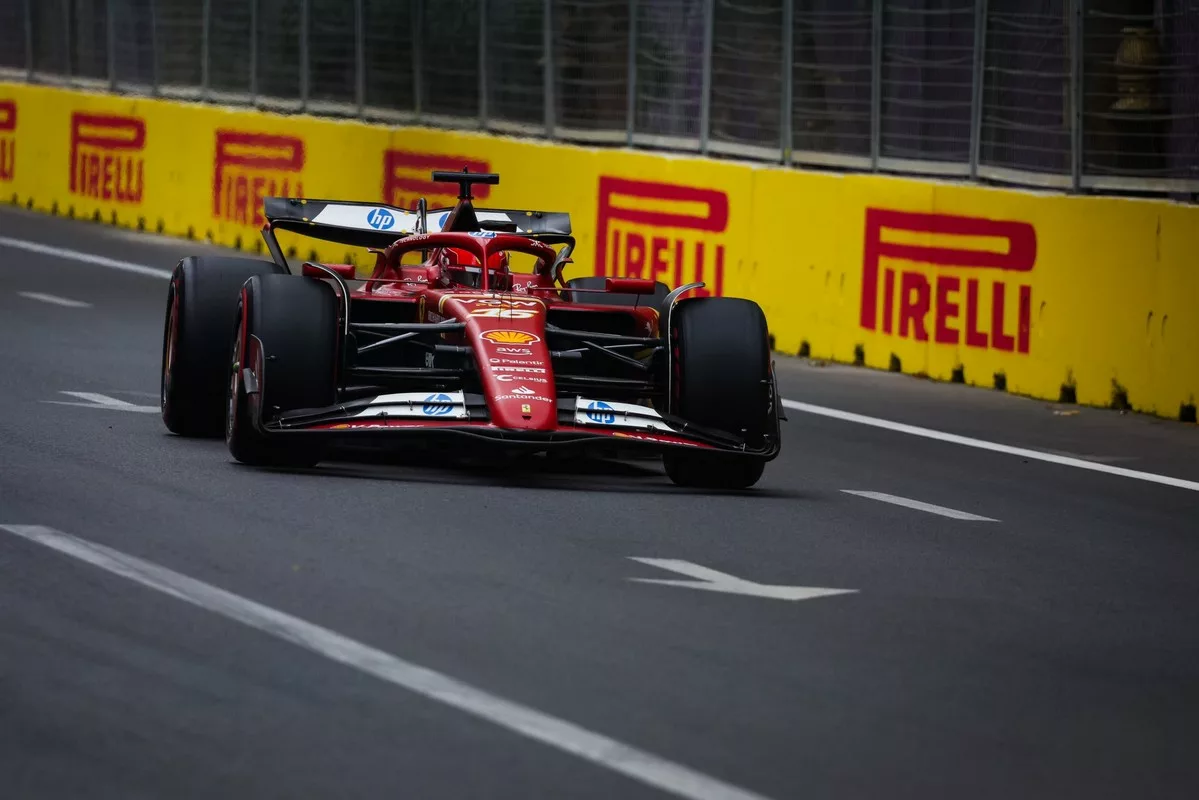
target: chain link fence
<point>1081,95</point>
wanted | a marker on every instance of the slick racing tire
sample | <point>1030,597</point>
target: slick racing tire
<point>720,379</point>
<point>295,319</point>
<point>201,305</point>
<point>612,298</point>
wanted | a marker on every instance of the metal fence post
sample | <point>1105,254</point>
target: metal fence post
<point>253,52</point>
<point>786,136</point>
<point>979,85</point>
<point>29,40</point>
<point>110,44</point>
<point>705,100</point>
<point>548,61</point>
<point>418,21</point>
<point>304,34</point>
<point>876,85</point>
<point>205,32</point>
<point>360,56</point>
<point>1076,93</point>
<point>66,36</point>
<point>631,89</point>
<point>154,47</point>
<point>483,92</point>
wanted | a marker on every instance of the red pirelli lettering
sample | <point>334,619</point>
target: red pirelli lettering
<point>248,167</point>
<point>662,257</point>
<point>8,116</point>
<point>917,291</point>
<point>406,176</point>
<point>104,162</point>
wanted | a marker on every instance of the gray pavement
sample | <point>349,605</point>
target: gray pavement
<point>1051,652</point>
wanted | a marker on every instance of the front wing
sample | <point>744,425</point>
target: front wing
<point>583,424</point>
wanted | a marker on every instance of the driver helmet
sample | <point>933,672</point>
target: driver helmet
<point>497,264</point>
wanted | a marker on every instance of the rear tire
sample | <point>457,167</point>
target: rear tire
<point>721,374</point>
<point>296,321</point>
<point>201,305</point>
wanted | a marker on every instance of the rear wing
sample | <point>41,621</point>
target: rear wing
<point>377,226</point>
<point>361,224</point>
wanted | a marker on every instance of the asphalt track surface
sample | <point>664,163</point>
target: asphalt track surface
<point>1052,651</point>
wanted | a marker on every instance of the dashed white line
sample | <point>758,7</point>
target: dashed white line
<point>596,748</point>
<point>87,258</point>
<point>995,447</point>
<point>952,513</point>
<point>55,300</point>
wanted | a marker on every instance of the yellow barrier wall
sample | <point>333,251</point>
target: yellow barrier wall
<point>1098,293</point>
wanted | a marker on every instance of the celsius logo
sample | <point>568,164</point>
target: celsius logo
<point>380,219</point>
<point>601,412</point>
<point>437,405</point>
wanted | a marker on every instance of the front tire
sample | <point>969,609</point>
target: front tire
<point>201,305</point>
<point>296,321</point>
<point>720,362</point>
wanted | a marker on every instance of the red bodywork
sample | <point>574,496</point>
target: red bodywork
<point>467,342</point>
<point>505,315</point>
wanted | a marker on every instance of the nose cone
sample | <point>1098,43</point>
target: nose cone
<point>507,333</point>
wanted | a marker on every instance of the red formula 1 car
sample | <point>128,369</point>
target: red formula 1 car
<point>465,333</point>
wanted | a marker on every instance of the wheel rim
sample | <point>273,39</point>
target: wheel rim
<point>234,385</point>
<point>170,350</point>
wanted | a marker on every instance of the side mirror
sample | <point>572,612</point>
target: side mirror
<point>348,272</point>
<point>631,285</point>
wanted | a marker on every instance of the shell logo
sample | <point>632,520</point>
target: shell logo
<point>510,337</point>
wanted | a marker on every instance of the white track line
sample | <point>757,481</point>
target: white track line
<point>557,733</point>
<point>982,444</point>
<point>952,513</point>
<point>87,258</point>
<point>55,300</point>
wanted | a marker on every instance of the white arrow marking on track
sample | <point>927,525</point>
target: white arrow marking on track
<point>603,751</point>
<point>712,581</point>
<point>103,401</point>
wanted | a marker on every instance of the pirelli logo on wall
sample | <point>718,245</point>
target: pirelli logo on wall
<point>249,166</point>
<point>948,279</point>
<point>665,231</point>
<point>406,178</point>
<point>107,161</point>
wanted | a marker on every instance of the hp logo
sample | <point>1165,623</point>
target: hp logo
<point>437,405</point>
<point>601,412</point>
<point>380,219</point>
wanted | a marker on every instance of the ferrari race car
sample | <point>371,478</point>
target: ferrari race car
<point>465,334</point>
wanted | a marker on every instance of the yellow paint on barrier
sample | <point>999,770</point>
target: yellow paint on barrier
<point>1098,293</point>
